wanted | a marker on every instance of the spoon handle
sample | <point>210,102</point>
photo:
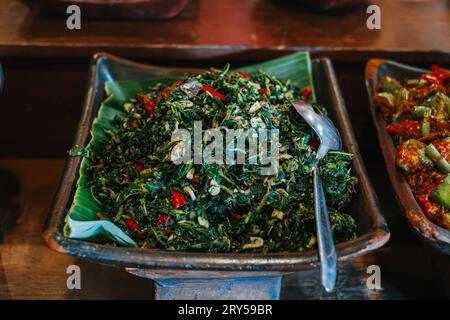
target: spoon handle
<point>327,252</point>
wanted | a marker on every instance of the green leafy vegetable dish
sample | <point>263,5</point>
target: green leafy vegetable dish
<point>135,195</point>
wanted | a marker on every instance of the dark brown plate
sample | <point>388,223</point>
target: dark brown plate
<point>109,9</point>
<point>372,229</point>
<point>427,231</point>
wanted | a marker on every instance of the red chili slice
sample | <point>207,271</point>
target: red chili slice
<point>213,92</point>
<point>245,74</point>
<point>163,221</point>
<point>425,204</point>
<point>435,76</point>
<point>307,92</point>
<point>238,217</point>
<point>178,199</point>
<point>165,92</point>
<point>149,105</point>
<point>132,225</point>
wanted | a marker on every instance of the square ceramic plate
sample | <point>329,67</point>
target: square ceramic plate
<point>372,229</point>
<point>430,233</point>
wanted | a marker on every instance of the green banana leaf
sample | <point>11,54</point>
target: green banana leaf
<point>82,221</point>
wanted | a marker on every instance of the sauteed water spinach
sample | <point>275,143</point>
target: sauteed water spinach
<point>213,207</point>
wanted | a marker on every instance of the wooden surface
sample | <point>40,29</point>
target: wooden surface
<point>222,29</point>
<point>46,64</point>
<point>29,270</point>
<point>46,68</point>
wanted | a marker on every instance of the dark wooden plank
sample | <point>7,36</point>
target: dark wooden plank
<point>228,28</point>
<point>41,98</point>
<point>28,269</point>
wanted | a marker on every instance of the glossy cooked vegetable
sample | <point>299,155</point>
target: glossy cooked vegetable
<point>213,207</point>
<point>417,113</point>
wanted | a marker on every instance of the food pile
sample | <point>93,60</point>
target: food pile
<point>216,207</point>
<point>418,112</point>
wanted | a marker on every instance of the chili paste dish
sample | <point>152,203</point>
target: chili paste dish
<point>417,112</point>
<point>145,200</point>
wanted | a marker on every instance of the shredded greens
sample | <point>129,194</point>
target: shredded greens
<point>213,207</point>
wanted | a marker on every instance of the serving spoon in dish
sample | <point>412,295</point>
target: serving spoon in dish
<point>329,140</point>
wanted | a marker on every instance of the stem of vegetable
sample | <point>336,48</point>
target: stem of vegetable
<point>426,123</point>
<point>442,193</point>
<point>437,158</point>
<point>420,111</point>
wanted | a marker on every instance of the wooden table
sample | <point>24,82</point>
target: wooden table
<point>46,68</point>
<point>225,29</point>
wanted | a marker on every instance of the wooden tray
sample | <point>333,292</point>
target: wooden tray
<point>430,233</point>
<point>372,229</point>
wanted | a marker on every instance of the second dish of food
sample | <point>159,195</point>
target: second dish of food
<point>417,112</point>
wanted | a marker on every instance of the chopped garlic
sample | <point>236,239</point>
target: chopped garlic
<point>190,174</point>
<point>189,191</point>
<point>128,107</point>
<point>146,172</point>
<point>214,189</point>
<point>186,103</point>
<point>312,241</point>
<point>277,214</point>
<point>203,222</point>
<point>255,107</point>
<point>284,156</point>
<point>255,242</point>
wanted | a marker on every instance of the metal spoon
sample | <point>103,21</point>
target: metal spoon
<point>1,78</point>
<point>329,140</point>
